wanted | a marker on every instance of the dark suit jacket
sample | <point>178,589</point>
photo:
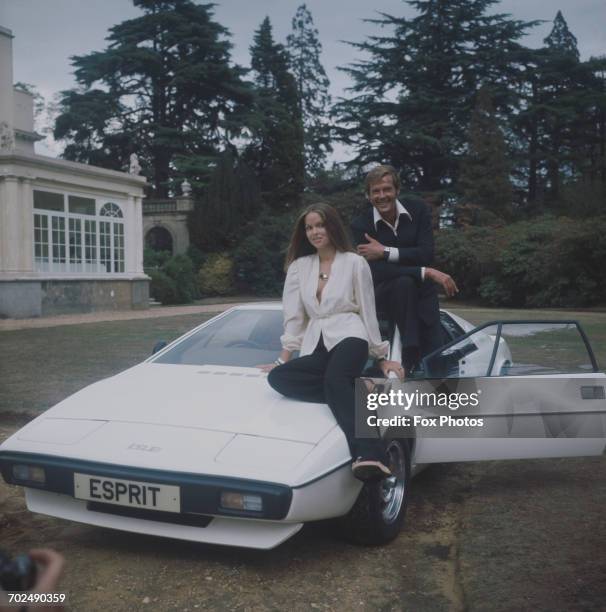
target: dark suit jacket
<point>414,240</point>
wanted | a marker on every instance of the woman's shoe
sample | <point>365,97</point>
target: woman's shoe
<point>369,470</point>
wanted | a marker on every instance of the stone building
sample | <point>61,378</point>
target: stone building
<point>165,222</point>
<point>71,235</point>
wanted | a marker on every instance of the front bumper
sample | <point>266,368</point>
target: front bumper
<point>245,532</point>
<point>200,494</point>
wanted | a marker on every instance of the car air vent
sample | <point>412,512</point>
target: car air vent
<point>220,373</point>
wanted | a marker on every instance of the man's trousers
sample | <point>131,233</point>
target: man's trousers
<point>416,311</point>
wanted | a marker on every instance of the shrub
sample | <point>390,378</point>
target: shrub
<point>174,282</point>
<point>532,268</point>
<point>162,288</point>
<point>545,262</point>
<point>467,255</point>
<point>154,260</point>
<point>180,269</point>
<point>216,276</point>
<point>196,255</point>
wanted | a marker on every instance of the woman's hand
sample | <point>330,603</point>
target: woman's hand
<point>284,356</point>
<point>392,366</point>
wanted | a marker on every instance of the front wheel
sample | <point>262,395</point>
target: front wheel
<point>378,514</point>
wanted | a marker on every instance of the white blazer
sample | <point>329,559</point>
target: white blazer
<point>347,308</point>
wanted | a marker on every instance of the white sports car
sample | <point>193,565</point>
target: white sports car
<point>194,444</point>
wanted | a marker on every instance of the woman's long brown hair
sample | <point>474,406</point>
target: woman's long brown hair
<point>299,244</point>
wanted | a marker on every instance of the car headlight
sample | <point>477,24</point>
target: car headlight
<point>232,500</point>
<point>29,473</point>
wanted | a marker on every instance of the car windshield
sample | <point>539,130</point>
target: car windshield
<point>244,338</point>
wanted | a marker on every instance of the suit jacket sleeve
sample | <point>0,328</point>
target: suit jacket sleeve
<point>422,253</point>
<point>381,269</point>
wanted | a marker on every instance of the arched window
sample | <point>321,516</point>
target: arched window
<point>110,210</point>
<point>111,237</point>
<point>158,238</point>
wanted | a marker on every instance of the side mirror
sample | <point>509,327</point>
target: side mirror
<point>159,346</point>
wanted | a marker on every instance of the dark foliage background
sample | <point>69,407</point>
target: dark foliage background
<point>507,143</point>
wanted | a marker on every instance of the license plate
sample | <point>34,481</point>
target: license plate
<point>131,493</point>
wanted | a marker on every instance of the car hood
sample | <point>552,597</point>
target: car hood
<point>209,419</point>
<point>218,398</point>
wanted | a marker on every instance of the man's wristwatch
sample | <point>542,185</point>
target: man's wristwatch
<point>386,252</point>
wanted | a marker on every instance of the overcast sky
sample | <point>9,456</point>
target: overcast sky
<point>48,32</point>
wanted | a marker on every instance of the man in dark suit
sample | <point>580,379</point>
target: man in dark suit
<point>397,240</point>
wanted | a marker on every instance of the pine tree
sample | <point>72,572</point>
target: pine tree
<point>595,171</point>
<point>565,85</point>
<point>561,38</point>
<point>485,170</point>
<point>230,199</point>
<point>312,86</point>
<point>275,150</point>
<point>559,126</point>
<point>164,88</point>
<point>412,99</point>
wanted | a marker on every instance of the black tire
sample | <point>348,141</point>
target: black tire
<point>377,516</point>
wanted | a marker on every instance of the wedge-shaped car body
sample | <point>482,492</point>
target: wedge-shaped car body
<point>194,444</point>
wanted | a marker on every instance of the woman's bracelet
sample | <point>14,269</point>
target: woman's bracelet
<point>279,361</point>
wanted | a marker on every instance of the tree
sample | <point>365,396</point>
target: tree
<point>596,170</point>
<point>275,150</point>
<point>561,38</point>
<point>560,115</point>
<point>230,199</point>
<point>312,87</point>
<point>164,88</point>
<point>412,99</point>
<point>560,80</point>
<point>484,176</point>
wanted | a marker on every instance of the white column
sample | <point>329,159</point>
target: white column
<point>134,236</point>
<point>26,206</point>
<point>7,104</point>
<point>16,226</point>
<point>4,226</point>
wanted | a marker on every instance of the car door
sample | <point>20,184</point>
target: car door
<point>543,394</point>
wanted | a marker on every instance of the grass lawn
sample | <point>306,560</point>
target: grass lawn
<point>39,367</point>
<point>594,323</point>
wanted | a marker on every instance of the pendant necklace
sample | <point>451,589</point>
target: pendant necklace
<point>323,276</point>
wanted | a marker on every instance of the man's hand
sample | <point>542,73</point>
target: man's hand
<point>373,250</point>
<point>445,280</point>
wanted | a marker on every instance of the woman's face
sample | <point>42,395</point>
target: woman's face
<point>315,231</point>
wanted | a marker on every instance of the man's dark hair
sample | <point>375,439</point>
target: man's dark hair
<point>378,172</point>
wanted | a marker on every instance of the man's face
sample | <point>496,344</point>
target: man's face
<point>382,195</point>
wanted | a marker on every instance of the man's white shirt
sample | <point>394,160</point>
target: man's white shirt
<point>394,255</point>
